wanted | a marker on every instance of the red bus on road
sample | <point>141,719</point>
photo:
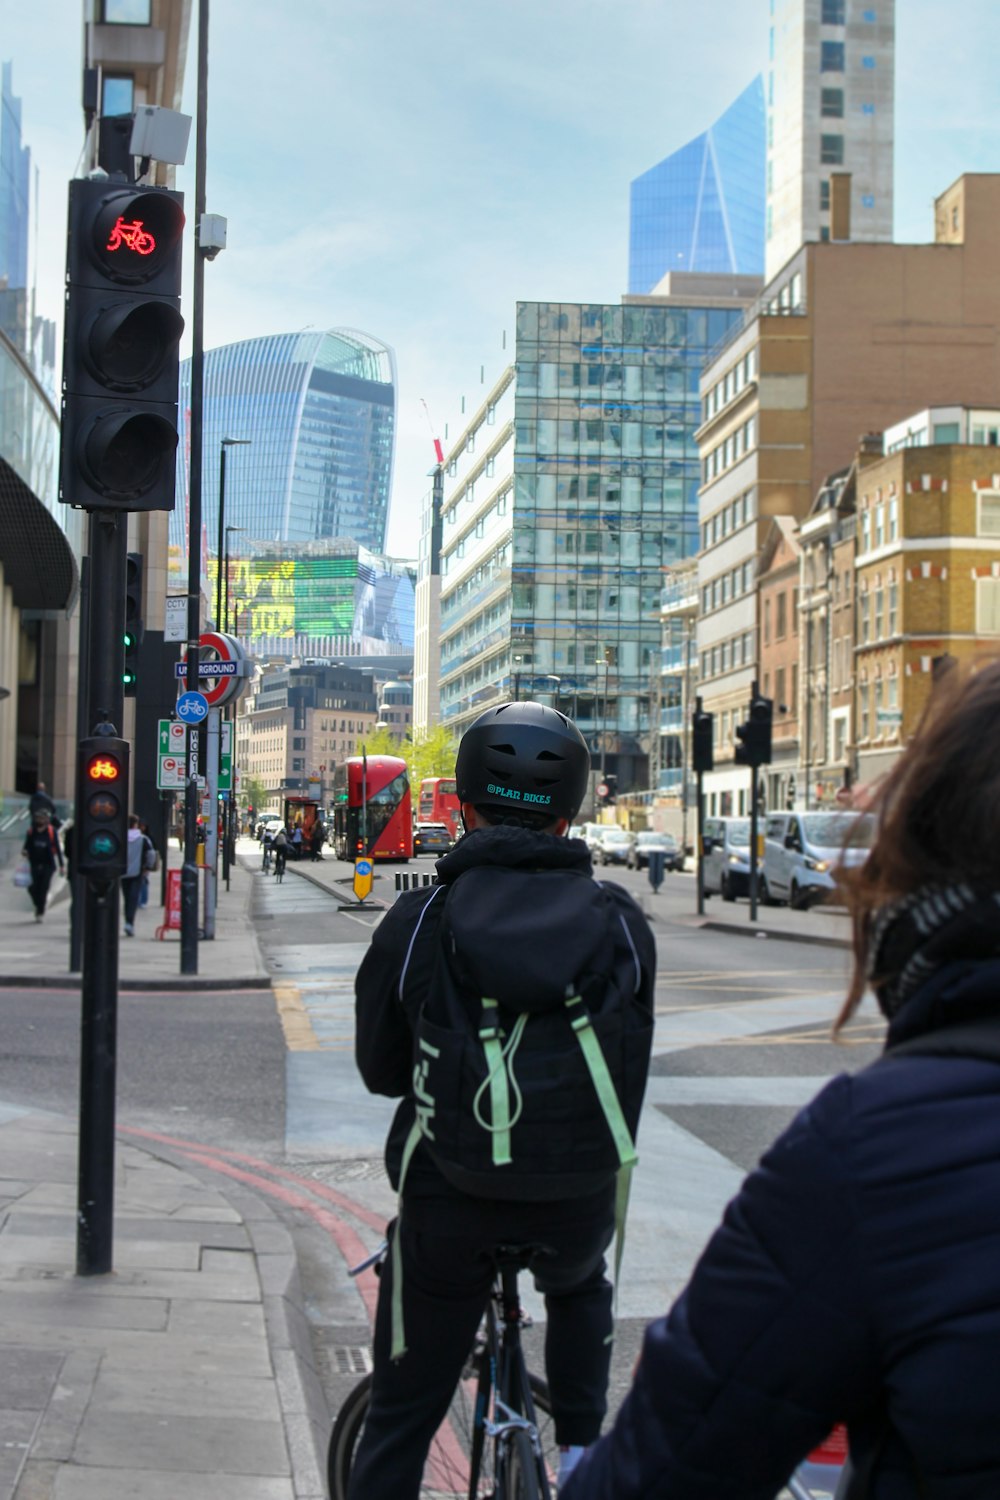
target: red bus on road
<point>438,803</point>
<point>381,786</point>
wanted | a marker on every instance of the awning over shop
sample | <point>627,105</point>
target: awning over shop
<point>38,562</point>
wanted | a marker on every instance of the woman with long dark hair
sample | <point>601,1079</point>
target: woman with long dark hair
<point>856,1275</point>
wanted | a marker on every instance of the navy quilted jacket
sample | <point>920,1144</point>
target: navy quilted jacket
<point>856,1272</point>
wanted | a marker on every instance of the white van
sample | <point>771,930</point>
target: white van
<point>803,850</point>
<point>726,857</point>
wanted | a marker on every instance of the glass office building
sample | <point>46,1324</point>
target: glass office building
<point>702,209</point>
<point>323,599</point>
<point>319,410</point>
<point>573,488</point>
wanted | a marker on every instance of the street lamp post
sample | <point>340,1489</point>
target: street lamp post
<point>517,676</point>
<point>227,442</point>
<point>552,677</point>
<point>225,596</point>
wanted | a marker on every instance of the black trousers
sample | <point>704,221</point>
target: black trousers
<point>41,879</point>
<point>446,1281</point>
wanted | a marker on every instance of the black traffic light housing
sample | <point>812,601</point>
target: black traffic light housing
<point>702,741</point>
<point>121,357</point>
<point>133,622</point>
<point>754,734</point>
<point>100,838</point>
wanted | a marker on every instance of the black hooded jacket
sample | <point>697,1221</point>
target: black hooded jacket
<point>543,950</point>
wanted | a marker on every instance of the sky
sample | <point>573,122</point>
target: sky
<point>414,169</point>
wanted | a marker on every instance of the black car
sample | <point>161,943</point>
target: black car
<point>431,838</point>
<point>673,854</point>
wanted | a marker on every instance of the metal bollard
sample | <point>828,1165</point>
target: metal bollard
<point>409,881</point>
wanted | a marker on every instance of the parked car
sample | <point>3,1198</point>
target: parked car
<point>431,838</point>
<point>802,851</point>
<point>646,842</point>
<point>614,845</point>
<point>267,820</point>
<point>726,857</point>
<point>591,835</point>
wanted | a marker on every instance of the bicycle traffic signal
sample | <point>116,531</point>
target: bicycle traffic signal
<point>702,741</point>
<point>100,840</point>
<point>121,357</point>
<point>133,622</point>
<point>755,733</point>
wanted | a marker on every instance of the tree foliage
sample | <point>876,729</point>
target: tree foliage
<point>427,752</point>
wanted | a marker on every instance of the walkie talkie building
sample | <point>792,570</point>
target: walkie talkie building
<point>319,411</point>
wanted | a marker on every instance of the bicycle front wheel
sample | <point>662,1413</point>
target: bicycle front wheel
<point>447,1473</point>
<point>521,1470</point>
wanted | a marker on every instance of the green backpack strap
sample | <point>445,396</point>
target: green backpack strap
<point>604,1087</point>
<point>500,1081</point>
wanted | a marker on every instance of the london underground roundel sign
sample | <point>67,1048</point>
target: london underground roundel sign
<point>220,674</point>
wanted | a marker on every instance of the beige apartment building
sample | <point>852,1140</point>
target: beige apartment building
<point>848,339</point>
<point>778,650</point>
<point>927,581</point>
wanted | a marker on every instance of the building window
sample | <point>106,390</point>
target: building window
<point>781,616</point>
<point>831,57</point>
<point>864,610</point>
<point>126,12</point>
<point>866,531</point>
<point>832,104</point>
<point>833,12</point>
<point>989,513</point>
<point>831,150</point>
<point>117,94</point>
<point>892,623</point>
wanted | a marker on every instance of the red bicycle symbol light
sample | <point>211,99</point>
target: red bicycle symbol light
<point>132,236</point>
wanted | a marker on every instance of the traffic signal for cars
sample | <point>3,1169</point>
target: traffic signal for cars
<point>100,845</point>
<point>754,734</point>
<point>133,622</point>
<point>121,354</point>
<point>702,741</point>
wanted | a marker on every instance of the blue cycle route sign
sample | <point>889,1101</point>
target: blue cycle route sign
<point>192,707</point>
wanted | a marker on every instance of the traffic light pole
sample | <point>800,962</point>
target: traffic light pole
<point>753,843</point>
<point>189,873</point>
<point>99,978</point>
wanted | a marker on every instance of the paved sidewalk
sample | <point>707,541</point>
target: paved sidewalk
<point>37,953</point>
<point>187,1373</point>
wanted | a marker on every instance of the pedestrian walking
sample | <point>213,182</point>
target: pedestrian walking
<point>44,856</point>
<point>317,839</point>
<point>296,841</point>
<point>40,801</point>
<point>855,1277</point>
<point>149,865</point>
<point>140,858</point>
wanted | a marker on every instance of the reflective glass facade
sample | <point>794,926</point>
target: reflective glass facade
<point>320,412</point>
<point>551,577</point>
<point>326,599</point>
<point>15,177</point>
<point>702,209</point>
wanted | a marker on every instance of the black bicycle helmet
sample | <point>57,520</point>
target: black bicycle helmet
<point>523,763</point>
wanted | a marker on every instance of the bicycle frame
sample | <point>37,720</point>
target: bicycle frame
<point>503,1373</point>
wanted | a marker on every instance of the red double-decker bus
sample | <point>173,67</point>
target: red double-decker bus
<point>438,803</point>
<point>372,810</point>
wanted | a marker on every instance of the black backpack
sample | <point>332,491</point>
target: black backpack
<point>531,1045</point>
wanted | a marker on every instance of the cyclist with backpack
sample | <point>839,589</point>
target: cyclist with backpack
<point>510,1008</point>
